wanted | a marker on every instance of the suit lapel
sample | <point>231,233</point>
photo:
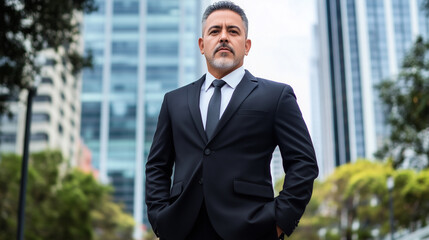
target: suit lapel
<point>244,88</point>
<point>194,106</point>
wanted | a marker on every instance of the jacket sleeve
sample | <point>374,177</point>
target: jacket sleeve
<point>299,162</point>
<point>159,166</point>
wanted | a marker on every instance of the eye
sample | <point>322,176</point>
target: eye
<point>233,31</point>
<point>213,31</point>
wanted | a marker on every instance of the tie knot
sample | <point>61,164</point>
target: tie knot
<point>218,83</point>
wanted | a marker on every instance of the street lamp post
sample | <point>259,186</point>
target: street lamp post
<point>32,91</point>
<point>24,169</point>
<point>390,185</point>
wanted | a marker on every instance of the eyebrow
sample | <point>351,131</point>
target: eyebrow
<point>228,27</point>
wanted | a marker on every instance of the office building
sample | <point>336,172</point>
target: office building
<point>55,121</point>
<point>321,128</point>
<point>141,49</point>
<point>362,42</point>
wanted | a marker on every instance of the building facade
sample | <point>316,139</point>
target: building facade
<point>141,49</point>
<point>362,42</point>
<point>55,121</point>
<point>322,127</point>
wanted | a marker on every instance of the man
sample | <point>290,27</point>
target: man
<point>216,137</point>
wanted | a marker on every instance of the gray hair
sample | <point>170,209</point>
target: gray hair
<point>226,5</point>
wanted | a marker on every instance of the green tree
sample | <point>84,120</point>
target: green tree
<point>352,202</point>
<point>407,100</point>
<point>314,219</point>
<point>28,27</point>
<point>61,203</point>
<point>150,235</point>
<point>411,196</point>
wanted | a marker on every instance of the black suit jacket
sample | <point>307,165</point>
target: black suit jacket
<point>231,171</point>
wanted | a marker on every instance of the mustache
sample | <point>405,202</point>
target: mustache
<point>224,45</point>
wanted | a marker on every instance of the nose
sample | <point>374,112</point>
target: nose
<point>223,36</point>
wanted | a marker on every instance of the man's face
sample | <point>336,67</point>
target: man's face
<point>224,42</point>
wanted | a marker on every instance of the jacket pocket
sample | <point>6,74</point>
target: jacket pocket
<point>253,189</point>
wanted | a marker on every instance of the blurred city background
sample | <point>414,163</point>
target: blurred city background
<point>96,72</point>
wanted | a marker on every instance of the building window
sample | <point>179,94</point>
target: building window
<point>125,7</point>
<point>12,98</point>
<point>64,78</point>
<point>125,28</point>
<point>40,136</point>
<point>125,48</point>
<point>40,117</point>
<point>42,98</point>
<point>50,62</point>
<point>5,118</point>
<point>47,80</point>
<point>63,97</point>
<point>60,128</point>
<point>8,138</point>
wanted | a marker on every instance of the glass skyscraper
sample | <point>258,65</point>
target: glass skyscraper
<point>141,49</point>
<point>362,43</point>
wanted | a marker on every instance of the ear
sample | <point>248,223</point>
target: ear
<point>201,45</point>
<point>247,46</point>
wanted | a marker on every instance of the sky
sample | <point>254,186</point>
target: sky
<point>281,34</point>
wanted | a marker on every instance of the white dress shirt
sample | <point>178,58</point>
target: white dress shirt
<point>232,80</point>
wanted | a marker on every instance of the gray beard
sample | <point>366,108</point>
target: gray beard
<point>223,63</point>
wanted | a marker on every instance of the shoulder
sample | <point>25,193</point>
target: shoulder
<point>270,84</point>
<point>182,91</point>
<point>274,86</point>
<point>178,91</point>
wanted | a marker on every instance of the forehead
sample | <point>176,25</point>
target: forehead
<point>224,17</point>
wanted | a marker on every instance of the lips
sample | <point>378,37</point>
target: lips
<point>224,49</point>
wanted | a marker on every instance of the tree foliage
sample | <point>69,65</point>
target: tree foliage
<point>28,27</point>
<point>353,202</point>
<point>61,203</point>
<point>407,101</point>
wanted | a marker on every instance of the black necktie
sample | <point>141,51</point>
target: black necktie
<point>213,111</point>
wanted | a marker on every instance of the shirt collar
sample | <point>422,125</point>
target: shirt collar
<point>232,79</point>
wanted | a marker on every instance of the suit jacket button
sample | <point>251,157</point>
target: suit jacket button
<point>207,151</point>
<point>200,181</point>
